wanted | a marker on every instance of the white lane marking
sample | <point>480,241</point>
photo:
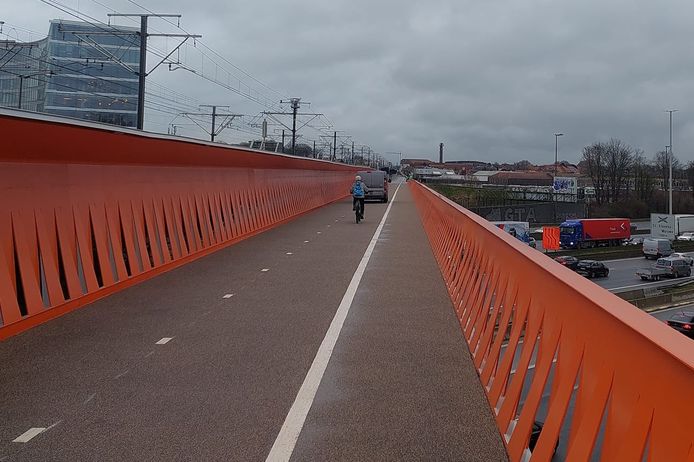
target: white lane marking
<point>91,397</point>
<point>149,354</point>
<point>228,295</point>
<point>305,242</point>
<point>283,447</point>
<point>318,232</point>
<point>121,374</point>
<point>648,284</point>
<point>265,270</point>
<point>164,341</point>
<point>328,226</point>
<point>29,434</point>
<point>290,253</point>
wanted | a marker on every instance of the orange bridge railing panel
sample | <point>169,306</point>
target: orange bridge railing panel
<point>86,211</point>
<point>600,375</point>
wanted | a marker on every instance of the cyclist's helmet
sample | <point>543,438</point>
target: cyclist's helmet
<point>358,178</point>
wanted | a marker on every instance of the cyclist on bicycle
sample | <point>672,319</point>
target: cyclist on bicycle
<point>358,192</point>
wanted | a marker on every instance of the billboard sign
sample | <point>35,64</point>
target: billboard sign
<point>565,185</point>
<point>663,226</point>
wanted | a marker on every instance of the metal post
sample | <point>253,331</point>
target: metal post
<point>214,118</point>
<point>670,165</point>
<point>334,145</point>
<point>295,108</point>
<point>142,74</point>
<point>314,149</point>
<point>282,141</point>
<point>352,157</point>
<point>21,84</point>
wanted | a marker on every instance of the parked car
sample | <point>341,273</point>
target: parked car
<point>670,267</point>
<point>683,322</point>
<point>686,237</point>
<point>592,269</point>
<point>684,256</point>
<point>568,261</point>
<point>656,248</point>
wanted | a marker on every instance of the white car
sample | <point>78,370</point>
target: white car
<point>686,237</point>
<point>686,257</point>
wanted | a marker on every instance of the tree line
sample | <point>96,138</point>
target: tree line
<point>619,171</point>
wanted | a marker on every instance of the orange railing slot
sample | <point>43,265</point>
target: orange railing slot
<point>552,347</point>
<point>87,210</point>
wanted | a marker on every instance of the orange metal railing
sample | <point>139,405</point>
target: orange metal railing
<point>554,347</point>
<point>86,211</point>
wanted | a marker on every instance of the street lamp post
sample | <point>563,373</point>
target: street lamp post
<point>554,180</point>
<point>556,151</point>
<point>670,164</point>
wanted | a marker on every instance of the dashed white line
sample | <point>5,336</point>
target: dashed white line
<point>228,295</point>
<point>149,354</point>
<point>91,397</point>
<point>29,434</point>
<point>164,341</point>
<point>305,242</point>
<point>265,270</point>
<point>318,232</point>
<point>121,374</point>
<point>283,447</point>
<point>290,253</point>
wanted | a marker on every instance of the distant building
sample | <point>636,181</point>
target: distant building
<point>95,74</point>
<point>521,178</point>
<point>484,175</point>
<point>23,74</point>
<point>81,70</point>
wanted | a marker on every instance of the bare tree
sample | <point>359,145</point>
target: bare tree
<point>660,162</point>
<point>690,175</point>
<point>595,159</point>
<point>619,160</point>
<point>644,185</point>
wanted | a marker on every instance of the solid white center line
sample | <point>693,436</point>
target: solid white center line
<point>228,295</point>
<point>164,341</point>
<point>283,447</point>
<point>29,434</point>
<point>264,270</point>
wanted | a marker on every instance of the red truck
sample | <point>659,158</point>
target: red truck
<point>592,232</point>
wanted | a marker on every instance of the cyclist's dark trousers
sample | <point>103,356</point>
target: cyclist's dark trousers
<point>361,201</point>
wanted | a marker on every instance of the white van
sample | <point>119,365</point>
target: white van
<point>377,182</point>
<point>656,248</point>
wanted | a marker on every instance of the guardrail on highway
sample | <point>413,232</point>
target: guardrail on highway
<point>603,366</point>
<point>87,209</point>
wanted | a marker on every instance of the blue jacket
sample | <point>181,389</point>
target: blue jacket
<point>363,188</point>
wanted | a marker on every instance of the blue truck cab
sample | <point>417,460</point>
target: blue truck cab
<point>570,234</point>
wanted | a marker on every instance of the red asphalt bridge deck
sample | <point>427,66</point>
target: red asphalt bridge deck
<point>245,324</point>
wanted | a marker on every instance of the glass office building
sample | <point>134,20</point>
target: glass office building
<point>94,72</point>
<point>81,70</point>
<point>23,74</point>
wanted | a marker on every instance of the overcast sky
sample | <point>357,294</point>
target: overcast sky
<point>492,80</point>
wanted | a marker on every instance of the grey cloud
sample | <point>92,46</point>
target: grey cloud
<point>492,80</point>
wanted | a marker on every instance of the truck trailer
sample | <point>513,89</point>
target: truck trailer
<point>593,232</point>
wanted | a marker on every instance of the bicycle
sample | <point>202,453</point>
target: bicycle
<point>359,211</point>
